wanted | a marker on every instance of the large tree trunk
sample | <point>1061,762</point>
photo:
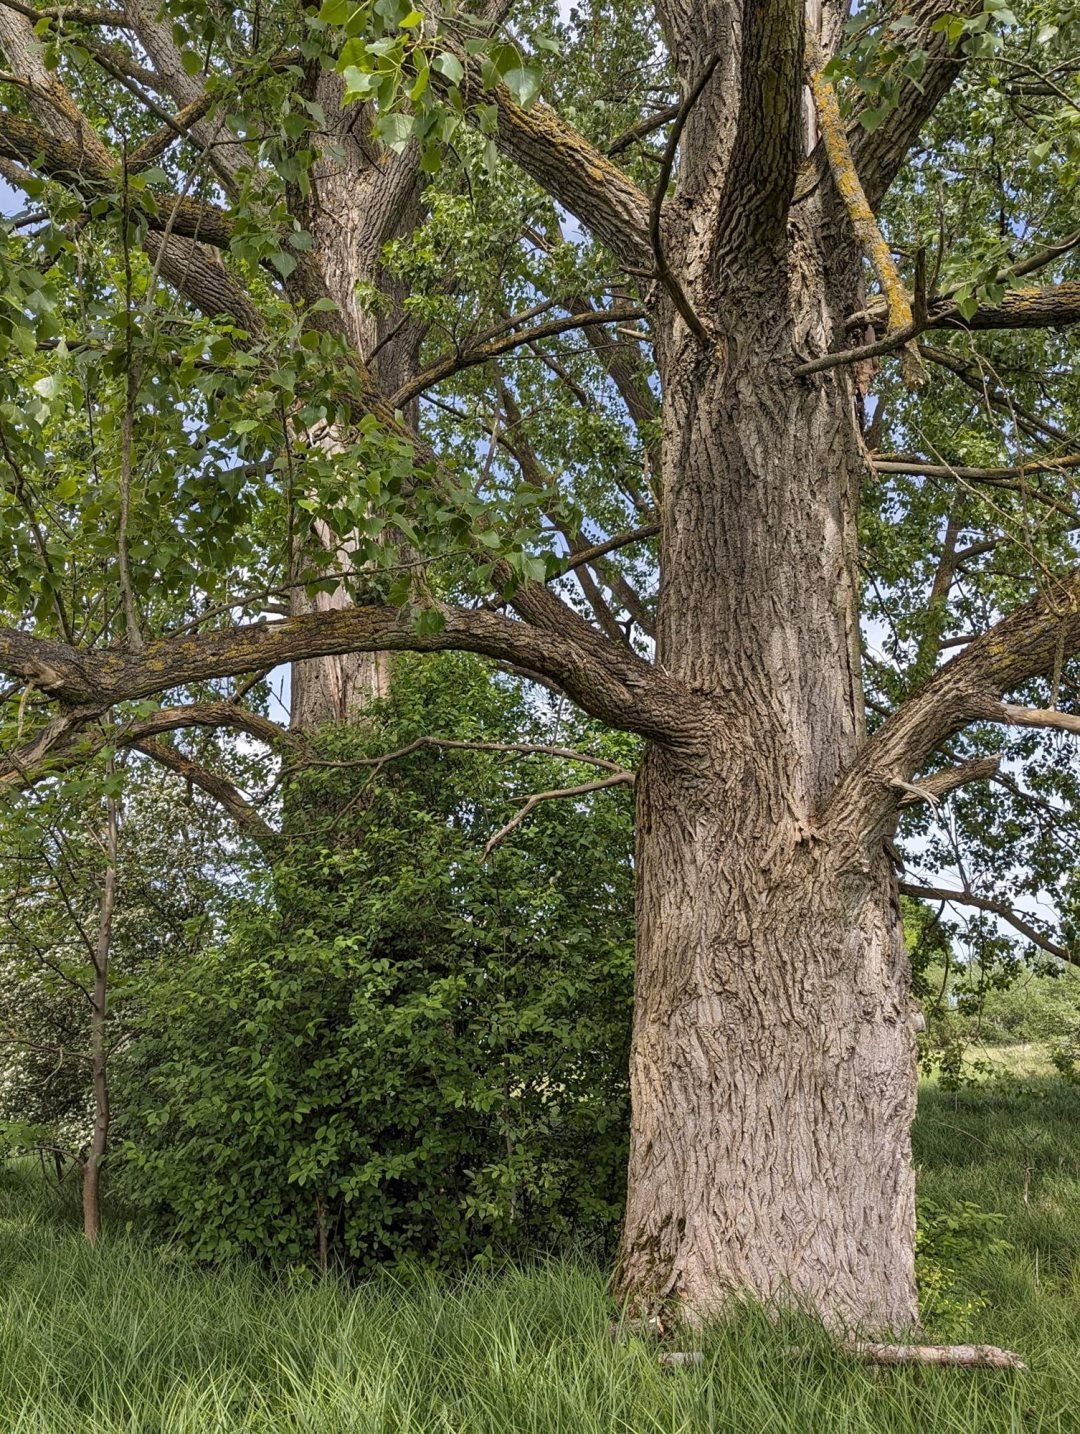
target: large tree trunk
<point>773,1067</point>
<point>362,197</point>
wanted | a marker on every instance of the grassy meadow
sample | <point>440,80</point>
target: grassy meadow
<point>131,1338</point>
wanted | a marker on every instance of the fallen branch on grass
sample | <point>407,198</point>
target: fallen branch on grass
<point>967,1356</point>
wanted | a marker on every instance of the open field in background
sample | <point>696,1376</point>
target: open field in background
<point>128,1338</point>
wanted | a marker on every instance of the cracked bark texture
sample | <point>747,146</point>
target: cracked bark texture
<point>773,1065</point>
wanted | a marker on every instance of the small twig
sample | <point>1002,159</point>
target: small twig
<point>527,749</point>
<point>641,129</point>
<point>554,794</point>
<point>663,271</point>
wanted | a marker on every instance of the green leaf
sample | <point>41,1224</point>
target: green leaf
<point>449,65</point>
<point>429,621</point>
<point>359,84</point>
<point>524,83</point>
<point>395,130</point>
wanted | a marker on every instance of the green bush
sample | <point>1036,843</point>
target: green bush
<point>948,1241</point>
<point>414,1052</point>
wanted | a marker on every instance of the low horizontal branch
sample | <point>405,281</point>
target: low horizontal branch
<point>898,463</point>
<point>69,164</point>
<point>608,682</point>
<point>993,908</point>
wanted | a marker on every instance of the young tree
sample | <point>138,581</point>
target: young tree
<point>773,1067</point>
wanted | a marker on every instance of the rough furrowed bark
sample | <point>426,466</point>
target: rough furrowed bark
<point>773,1066</point>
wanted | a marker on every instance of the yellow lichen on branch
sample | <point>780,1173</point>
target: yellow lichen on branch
<point>849,187</point>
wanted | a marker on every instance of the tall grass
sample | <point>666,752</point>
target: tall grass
<point>128,1338</point>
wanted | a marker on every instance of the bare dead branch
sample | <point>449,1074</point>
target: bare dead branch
<point>1013,716</point>
<point>982,1356</point>
<point>554,794</point>
<point>994,908</point>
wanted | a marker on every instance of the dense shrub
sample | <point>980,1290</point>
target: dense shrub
<point>416,1051</point>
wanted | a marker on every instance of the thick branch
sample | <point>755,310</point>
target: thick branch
<point>995,908</point>
<point>70,164</point>
<point>1055,306</point>
<point>1011,715</point>
<point>849,187</point>
<point>607,682</point>
<point>1033,640</point>
<point>238,807</point>
<point>73,14</point>
<point>968,1356</point>
<point>564,164</point>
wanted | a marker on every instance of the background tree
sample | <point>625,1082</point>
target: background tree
<point>153,519</point>
<point>92,901</point>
